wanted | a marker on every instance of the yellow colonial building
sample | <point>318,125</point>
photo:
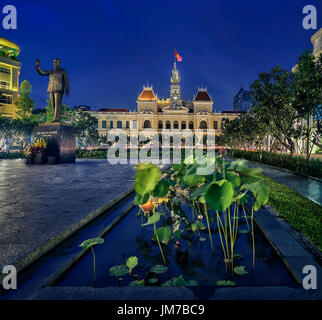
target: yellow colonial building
<point>9,77</point>
<point>174,113</point>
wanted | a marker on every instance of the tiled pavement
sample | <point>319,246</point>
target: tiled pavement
<point>38,202</point>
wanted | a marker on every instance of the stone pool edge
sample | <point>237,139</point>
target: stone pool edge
<point>154,293</point>
<point>30,257</point>
<point>288,244</point>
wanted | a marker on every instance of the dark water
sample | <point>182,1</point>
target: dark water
<point>195,262</point>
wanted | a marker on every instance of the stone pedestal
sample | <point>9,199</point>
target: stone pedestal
<point>60,139</point>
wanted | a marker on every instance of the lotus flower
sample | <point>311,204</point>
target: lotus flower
<point>148,206</point>
<point>222,151</point>
<point>160,200</point>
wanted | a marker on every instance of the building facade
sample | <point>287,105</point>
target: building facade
<point>154,114</point>
<point>316,40</point>
<point>9,77</point>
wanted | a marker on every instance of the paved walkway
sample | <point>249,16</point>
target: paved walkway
<point>38,202</point>
<point>309,188</point>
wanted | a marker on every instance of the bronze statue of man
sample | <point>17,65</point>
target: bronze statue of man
<point>58,84</point>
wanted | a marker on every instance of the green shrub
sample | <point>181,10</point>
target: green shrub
<point>91,154</point>
<point>11,155</point>
<point>296,164</point>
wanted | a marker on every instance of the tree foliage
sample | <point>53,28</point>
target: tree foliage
<point>282,100</point>
<point>307,84</point>
<point>86,128</point>
<point>274,98</point>
<point>16,132</point>
<point>245,131</point>
<point>24,103</point>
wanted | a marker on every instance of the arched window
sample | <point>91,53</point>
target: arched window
<point>203,125</point>
<point>168,125</point>
<point>191,125</point>
<point>160,125</point>
<point>111,124</point>
<point>147,124</point>
<point>119,124</point>
<point>176,125</point>
<point>127,124</point>
<point>215,125</point>
<point>183,125</point>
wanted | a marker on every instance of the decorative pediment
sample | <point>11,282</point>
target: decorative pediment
<point>203,113</point>
<point>175,109</point>
<point>146,111</point>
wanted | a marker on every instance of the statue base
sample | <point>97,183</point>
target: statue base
<point>61,140</point>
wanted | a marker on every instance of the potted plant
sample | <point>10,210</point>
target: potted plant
<point>40,151</point>
<point>29,154</point>
<point>36,152</point>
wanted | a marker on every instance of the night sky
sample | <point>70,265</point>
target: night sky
<point>112,48</point>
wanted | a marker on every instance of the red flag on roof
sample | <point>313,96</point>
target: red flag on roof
<point>177,56</point>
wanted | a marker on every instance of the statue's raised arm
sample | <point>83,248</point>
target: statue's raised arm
<point>41,72</point>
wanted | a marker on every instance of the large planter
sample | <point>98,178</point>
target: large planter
<point>30,160</point>
<point>40,158</point>
<point>51,160</point>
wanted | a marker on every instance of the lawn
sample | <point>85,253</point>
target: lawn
<point>301,213</point>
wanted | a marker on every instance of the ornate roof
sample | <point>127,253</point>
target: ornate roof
<point>112,110</point>
<point>202,95</point>
<point>9,47</point>
<point>147,94</point>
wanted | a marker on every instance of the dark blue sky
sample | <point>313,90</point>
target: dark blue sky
<point>112,48</point>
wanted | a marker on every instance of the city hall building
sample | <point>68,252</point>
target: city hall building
<point>174,113</point>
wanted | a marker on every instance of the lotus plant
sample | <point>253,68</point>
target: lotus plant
<point>148,184</point>
<point>90,243</point>
<point>218,194</point>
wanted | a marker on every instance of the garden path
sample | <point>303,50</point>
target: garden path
<point>310,188</point>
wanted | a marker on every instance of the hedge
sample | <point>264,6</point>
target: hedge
<point>93,154</point>
<point>11,155</point>
<point>297,164</point>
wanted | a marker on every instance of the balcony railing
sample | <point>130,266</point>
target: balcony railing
<point>4,86</point>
